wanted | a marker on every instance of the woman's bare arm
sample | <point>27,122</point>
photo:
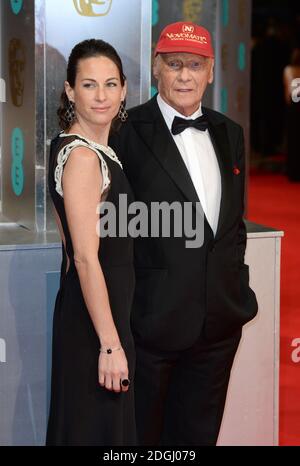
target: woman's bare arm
<point>82,181</point>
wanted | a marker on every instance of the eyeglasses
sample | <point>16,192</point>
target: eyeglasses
<point>175,64</point>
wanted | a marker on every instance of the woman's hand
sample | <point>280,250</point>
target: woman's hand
<point>112,369</point>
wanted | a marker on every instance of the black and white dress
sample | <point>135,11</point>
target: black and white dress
<point>81,411</point>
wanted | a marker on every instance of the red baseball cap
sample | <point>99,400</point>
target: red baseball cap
<point>185,37</point>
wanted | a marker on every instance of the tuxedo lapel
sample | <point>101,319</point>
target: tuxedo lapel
<point>153,130</point>
<point>220,141</point>
<point>158,138</point>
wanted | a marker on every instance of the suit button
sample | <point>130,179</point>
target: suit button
<point>212,248</point>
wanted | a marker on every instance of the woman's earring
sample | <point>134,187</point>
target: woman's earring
<point>70,113</point>
<point>123,115</point>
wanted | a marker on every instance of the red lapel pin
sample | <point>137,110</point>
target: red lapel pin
<point>236,171</point>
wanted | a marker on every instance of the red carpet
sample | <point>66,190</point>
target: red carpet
<point>275,202</point>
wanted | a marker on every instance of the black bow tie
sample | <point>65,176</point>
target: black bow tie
<point>180,124</point>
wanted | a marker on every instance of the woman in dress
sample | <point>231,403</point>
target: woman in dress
<point>93,351</point>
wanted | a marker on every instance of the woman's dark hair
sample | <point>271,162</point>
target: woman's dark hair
<point>86,49</point>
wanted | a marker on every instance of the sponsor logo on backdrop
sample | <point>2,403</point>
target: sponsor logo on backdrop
<point>295,356</point>
<point>17,155</point>
<point>93,7</point>
<point>192,10</point>
<point>242,57</point>
<point>17,63</point>
<point>16,6</point>
<point>2,350</point>
<point>224,100</point>
<point>155,12</point>
<point>225,13</point>
<point>153,91</point>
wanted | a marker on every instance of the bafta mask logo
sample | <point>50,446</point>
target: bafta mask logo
<point>192,10</point>
<point>93,7</point>
<point>16,57</point>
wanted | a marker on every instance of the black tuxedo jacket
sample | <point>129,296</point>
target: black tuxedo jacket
<point>181,292</point>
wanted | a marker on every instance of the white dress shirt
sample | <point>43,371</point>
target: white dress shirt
<point>200,159</point>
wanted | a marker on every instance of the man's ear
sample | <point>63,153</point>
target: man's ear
<point>211,72</point>
<point>156,66</point>
<point>69,91</point>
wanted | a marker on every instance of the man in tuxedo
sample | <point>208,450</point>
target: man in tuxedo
<point>190,302</point>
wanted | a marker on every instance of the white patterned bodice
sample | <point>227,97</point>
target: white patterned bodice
<point>64,153</point>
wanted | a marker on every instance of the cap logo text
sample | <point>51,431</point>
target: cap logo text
<point>187,36</point>
<point>186,28</point>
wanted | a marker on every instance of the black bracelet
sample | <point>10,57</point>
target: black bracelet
<point>109,350</point>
